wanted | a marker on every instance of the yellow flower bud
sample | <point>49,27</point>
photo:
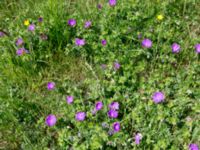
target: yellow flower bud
<point>160,17</point>
<point>26,22</point>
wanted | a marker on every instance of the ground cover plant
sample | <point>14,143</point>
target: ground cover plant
<point>100,74</point>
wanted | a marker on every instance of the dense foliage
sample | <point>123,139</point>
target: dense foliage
<point>91,74</point>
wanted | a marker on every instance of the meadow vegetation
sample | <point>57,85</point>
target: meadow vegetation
<point>109,74</point>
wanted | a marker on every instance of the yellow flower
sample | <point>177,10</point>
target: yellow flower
<point>26,22</point>
<point>160,17</point>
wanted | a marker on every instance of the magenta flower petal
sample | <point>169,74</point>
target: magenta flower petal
<point>112,2</point>
<point>88,24</point>
<point>197,47</point>
<point>72,22</point>
<point>79,42</point>
<point>80,116</point>
<point>51,120</point>
<point>114,106</point>
<point>117,65</point>
<point>50,85</point>
<point>98,105</point>
<point>69,99</point>
<point>175,48</point>
<point>103,42</point>
<point>19,41</point>
<point>31,27</point>
<point>193,147</point>
<point>21,51</point>
<point>147,43</point>
<point>112,113</point>
<point>138,137</point>
<point>116,126</point>
<point>158,97</point>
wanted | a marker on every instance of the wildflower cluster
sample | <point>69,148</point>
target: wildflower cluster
<point>114,103</point>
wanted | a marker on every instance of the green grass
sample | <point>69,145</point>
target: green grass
<point>25,101</point>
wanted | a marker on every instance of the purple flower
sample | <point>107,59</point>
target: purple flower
<point>40,19</point>
<point>138,137</point>
<point>99,6</point>
<point>117,65</point>
<point>193,147</point>
<point>21,51</point>
<point>72,22</point>
<point>51,120</point>
<point>31,27</point>
<point>197,47</point>
<point>69,99</point>
<point>158,97</point>
<point>116,126</point>
<point>112,2</point>
<point>88,24</point>
<point>98,105</point>
<point>50,85</point>
<point>2,34</point>
<point>79,42</point>
<point>80,116</point>
<point>103,42</point>
<point>147,43</point>
<point>19,41</point>
<point>175,48</point>
<point>112,113</point>
<point>114,106</point>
